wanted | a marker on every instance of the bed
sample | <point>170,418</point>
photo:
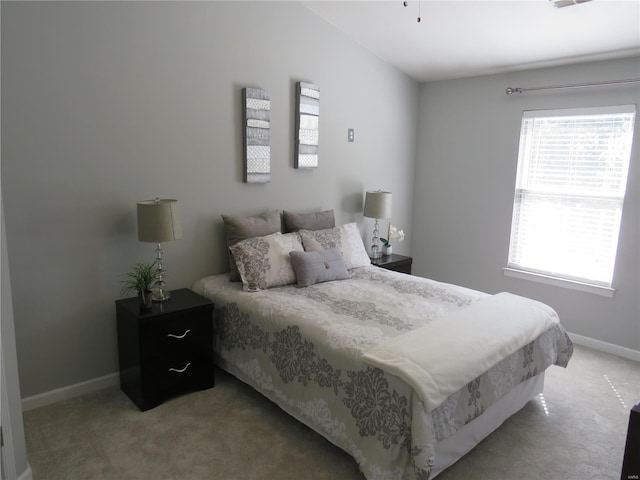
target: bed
<point>387,366</point>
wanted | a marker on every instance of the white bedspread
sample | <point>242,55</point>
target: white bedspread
<point>303,348</point>
<point>443,356</point>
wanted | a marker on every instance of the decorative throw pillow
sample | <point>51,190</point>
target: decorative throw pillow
<point>318,267</point>
<point>346,237</point>
<point>238,228</point>
<point>309,221</point>
<point>264,262</point>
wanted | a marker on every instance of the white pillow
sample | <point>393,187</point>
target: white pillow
<point>264,262</point>
<point>346,237</point>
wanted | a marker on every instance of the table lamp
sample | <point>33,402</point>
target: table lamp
<point>159,221</point>
<point>377,205</point>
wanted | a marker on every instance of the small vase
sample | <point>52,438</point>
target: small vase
<point>387,250</point>
<point>146,300</point>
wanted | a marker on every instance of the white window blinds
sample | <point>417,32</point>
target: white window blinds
<point>570,187</point>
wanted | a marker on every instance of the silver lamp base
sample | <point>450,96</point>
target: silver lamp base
<point>161,296</point>
<point>375,248</point>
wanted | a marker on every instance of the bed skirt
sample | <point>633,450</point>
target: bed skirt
<point>453,448</point>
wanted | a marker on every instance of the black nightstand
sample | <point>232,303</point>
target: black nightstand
<point>631,462</point>
<point>395,262</point>
<point>167,350</point>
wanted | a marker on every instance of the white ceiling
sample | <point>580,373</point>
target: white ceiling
<point>462,38</point>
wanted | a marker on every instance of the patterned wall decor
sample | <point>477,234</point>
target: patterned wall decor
<point>256,124</point>
<point>307,122</point>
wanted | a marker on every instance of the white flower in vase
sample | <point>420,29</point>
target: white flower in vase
<point>393,234</point>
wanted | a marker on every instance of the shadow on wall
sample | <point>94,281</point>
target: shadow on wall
<point>352,203</point>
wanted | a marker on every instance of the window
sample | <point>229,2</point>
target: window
<point>570,187</point>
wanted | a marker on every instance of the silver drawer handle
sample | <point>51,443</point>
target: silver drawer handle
<point>180,371</point>
<point>179,336</point>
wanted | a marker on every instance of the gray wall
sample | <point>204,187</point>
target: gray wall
<point>14,449</point>
<point>464,185</point>
<point>105,104</point>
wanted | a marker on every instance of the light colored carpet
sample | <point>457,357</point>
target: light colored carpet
<point>577,431</point>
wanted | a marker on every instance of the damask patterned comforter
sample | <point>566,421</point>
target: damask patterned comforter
<point>303,349</point>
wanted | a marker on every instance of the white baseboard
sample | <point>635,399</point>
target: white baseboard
<point>65,393</point>
<point>623,352</point>
<point>27,474</point>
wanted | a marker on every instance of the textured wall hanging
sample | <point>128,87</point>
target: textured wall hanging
<point>307,120</point>
<point>256,123</point>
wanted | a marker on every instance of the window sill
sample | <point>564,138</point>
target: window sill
<point>560,282</point>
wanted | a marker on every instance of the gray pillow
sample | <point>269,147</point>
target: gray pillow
<point>238,228</point>
<point>318,267</point>
<point>309,221</point>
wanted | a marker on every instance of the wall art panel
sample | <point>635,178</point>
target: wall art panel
<point>256,128</point>
<point>307,125</point>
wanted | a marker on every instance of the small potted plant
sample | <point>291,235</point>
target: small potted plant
<point>394,234</point>
<point>141,279</point>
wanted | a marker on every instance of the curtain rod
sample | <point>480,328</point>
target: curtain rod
<point>511,90</point>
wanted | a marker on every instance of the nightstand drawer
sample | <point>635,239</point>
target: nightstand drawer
<point>180,335</point>
<point>401,267</point>
<point>180,373</point>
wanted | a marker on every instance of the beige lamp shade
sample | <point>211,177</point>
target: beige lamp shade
<point>159,220</point>
<point>377,204</point>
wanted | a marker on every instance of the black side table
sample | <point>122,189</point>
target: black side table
<point>631,460</point>
<point>395,262</point>
<point>167,350</point>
